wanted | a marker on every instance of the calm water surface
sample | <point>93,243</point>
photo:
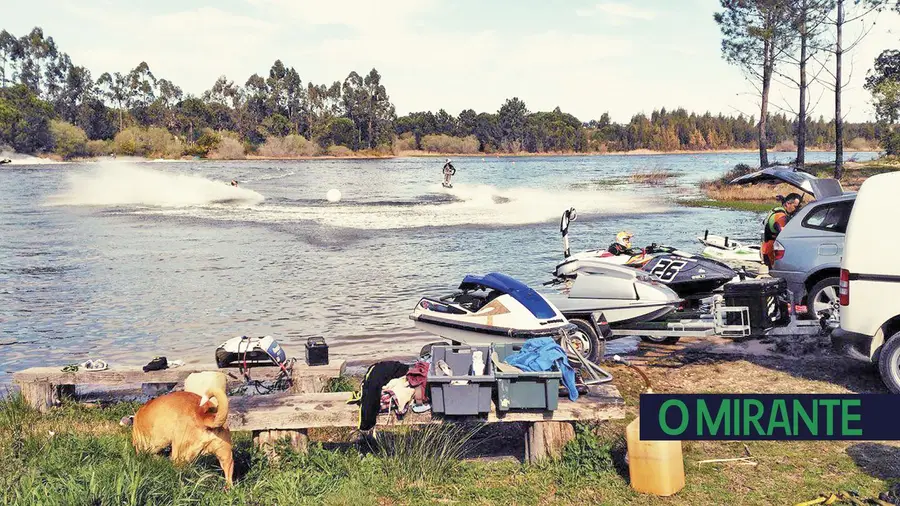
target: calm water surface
<point>129,260</point>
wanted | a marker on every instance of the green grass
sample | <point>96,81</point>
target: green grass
<point>599,184</point>
<point>737,205</point>
<point>89,460</point>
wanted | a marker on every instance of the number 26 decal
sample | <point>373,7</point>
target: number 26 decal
<point>667,269</point>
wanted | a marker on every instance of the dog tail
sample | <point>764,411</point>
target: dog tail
<point>221,414</point>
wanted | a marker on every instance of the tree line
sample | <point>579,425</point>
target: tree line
<point>50,104</point>
<point>795,42</point>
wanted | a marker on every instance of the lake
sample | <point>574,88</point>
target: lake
<point>127,260</point>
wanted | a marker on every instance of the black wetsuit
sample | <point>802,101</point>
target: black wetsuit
<point>617,249</point>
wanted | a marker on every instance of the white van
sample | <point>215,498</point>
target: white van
<point>870,279</point>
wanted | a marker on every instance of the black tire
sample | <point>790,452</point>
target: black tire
<point>586,336</point>
<point>889,363</point>
<point>824,293</point>
<point>660,340</point>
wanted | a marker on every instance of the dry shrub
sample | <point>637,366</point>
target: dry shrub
<point>861,144</point>
<point>752,193</point>
<point>229,148</point>
<point>406,142</point>
<point>338,150</point>
<point>288,147</point>
<point>99,147</point>
<point>448,144</point>
<point>785,146</point>
<point>652,177</point>
<point>151,142</point>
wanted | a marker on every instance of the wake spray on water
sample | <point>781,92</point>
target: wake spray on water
<point>117,184</point>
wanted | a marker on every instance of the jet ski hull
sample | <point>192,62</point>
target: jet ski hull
<point>490,309</point>
<point>622,294</point>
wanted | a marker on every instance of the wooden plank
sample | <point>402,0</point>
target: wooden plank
<point>303,411</point>
<point>130,375</point>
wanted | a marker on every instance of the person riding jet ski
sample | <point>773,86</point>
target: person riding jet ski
<point>449,170</point>
<point>622,244</point>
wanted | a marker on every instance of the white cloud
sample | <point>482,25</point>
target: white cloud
<point>617,12</point>
<point>362,15</point>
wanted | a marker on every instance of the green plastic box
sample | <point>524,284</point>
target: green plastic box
<point>525,390</point>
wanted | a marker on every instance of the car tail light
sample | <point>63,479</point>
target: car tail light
<point>844,287</point>
<point>779,250</point>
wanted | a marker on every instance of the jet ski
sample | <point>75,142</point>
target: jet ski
<point>493,308</point>
<point>688,275</point>
<point>618,295</point>
<point>5,161</point>
<point>624,295</point>
<point>728,250</point>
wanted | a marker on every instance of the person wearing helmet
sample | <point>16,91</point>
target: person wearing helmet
<point>622,244</point>
<point>775,222</point>
<point>449,170</point>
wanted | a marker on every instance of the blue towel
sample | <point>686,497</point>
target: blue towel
<point>543,354</point>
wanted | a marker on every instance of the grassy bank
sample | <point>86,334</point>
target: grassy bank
<point>76,455</point>
<point>762,197</point>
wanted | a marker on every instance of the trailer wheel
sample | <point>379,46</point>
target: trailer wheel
<point>889,363</point>
<point>586,340</point>
<point>660,340</point>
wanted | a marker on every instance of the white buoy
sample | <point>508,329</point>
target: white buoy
<point>333,195</point>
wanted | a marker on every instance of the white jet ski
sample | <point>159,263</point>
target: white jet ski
<point>728,250</point>
<point>493,308</point>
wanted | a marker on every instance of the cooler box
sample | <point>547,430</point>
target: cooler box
<point>766,300</point>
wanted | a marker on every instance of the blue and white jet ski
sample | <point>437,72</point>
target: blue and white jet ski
<point>493,308</point>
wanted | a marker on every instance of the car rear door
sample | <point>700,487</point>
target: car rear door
<point>815,237</point>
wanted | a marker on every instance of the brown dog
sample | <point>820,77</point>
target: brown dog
<point>184,421</point>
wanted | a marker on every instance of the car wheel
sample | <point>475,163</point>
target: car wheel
<point>889,363</point>
<point>824,297</point>
<point>660,340</point>
<point>586,341</point>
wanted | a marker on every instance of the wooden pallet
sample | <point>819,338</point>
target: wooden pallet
<point>273,417</point>
<point>44,387</point>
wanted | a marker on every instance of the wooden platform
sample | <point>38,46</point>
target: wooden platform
<point>45,386</point>
<point>274,417</point>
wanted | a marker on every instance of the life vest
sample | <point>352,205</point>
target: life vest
<point>769,231</point>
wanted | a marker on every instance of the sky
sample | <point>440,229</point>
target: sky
<point>585,56</point>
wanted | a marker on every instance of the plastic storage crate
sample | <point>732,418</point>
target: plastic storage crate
<point>765,298</point>
<point>473,395</point>
<point>525,390</point>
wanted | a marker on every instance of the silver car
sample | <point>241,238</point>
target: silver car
<point>808,251</point>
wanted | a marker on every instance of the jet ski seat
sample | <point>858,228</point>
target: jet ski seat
<point>475,301</point>
<point>470,301</point>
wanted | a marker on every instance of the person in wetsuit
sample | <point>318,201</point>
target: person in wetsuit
<point>774,224</point>
<point>622,244</point>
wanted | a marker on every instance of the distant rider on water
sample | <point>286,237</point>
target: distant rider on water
<point>449,170</point>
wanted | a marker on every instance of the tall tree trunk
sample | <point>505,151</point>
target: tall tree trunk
<point>801,125</point>
<point>838,120</point>
<point>768,65</point>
